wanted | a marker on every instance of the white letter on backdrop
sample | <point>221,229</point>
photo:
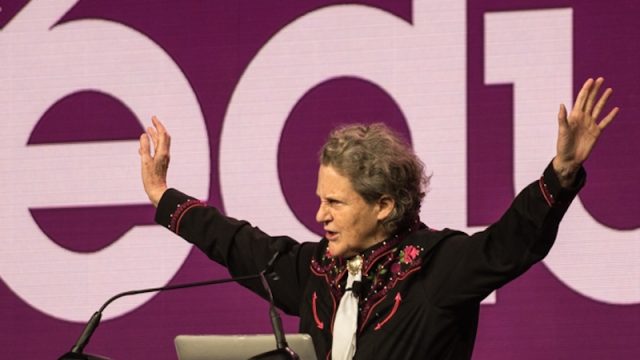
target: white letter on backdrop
<point>533,50</point>
<point>39,66</point>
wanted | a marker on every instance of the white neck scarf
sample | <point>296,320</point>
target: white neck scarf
<point>345,326</point>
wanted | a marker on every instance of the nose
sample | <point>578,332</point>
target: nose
<point>323,215</point>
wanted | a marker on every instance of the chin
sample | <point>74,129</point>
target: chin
<point>336,250</point>
<point>340,251</point>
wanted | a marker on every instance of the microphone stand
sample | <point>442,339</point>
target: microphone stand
<point>283,351</point>
<point>76,352</point>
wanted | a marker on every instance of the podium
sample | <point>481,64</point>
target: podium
<point>238,347</point>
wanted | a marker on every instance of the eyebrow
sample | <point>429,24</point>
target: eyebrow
<point>329,198</point>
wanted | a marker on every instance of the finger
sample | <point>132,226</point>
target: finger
<point>582,95</point>
<point>163,143</point>
<point>592,94</point>
<point>145,148</point>
<point>164,140</point>
<point>153,134</point>
<point>609,118</point>
<point>562,116</point>
<point>601,103</point>
<point>155,130</point>
<point>158,124</point>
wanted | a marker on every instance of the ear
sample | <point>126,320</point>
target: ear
<point>386,204</point>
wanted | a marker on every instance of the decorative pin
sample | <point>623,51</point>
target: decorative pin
<point>354,265</point>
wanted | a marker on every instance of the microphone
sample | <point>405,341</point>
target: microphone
<point>76,352</point>
<point>280,246</point>
<point>283,351</point>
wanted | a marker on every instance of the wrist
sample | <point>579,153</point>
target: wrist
<point>156,194</point>
<point>565,171</point>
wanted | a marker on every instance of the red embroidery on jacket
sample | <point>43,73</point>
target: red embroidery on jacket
<point>384,266</point>
<point>182,209</point>
<point>548,197</point>
<point>396,305</point>
<point>366,318</point>
<point>319,323</point>
<point>332,274</point>
<point>394,267</point>
<point>368,308</point>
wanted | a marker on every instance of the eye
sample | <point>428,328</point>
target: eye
<point>333,202</point>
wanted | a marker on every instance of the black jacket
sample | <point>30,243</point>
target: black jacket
<point>422,288</point>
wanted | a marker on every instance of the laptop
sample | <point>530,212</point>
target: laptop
<point>238,347</point>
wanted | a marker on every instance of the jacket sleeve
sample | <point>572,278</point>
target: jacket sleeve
<point>468,268</point>
<point>240,247</point>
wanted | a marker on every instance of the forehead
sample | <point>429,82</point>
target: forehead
<point>333,183</point>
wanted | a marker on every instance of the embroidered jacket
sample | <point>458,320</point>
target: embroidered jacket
<point>421,289</point>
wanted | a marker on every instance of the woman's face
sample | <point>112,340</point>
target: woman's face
<point>350,223</point>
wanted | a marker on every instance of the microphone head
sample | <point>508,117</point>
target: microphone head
<point>282,244</point>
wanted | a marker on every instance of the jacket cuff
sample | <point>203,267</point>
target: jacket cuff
<point>556,195</point>
<point>172,207</point>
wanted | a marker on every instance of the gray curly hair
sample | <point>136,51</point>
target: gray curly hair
<point>379,162</point>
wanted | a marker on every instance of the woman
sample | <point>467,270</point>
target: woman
<point>381,284</point>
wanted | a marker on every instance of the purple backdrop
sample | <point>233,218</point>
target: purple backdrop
<point>212,43</point>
